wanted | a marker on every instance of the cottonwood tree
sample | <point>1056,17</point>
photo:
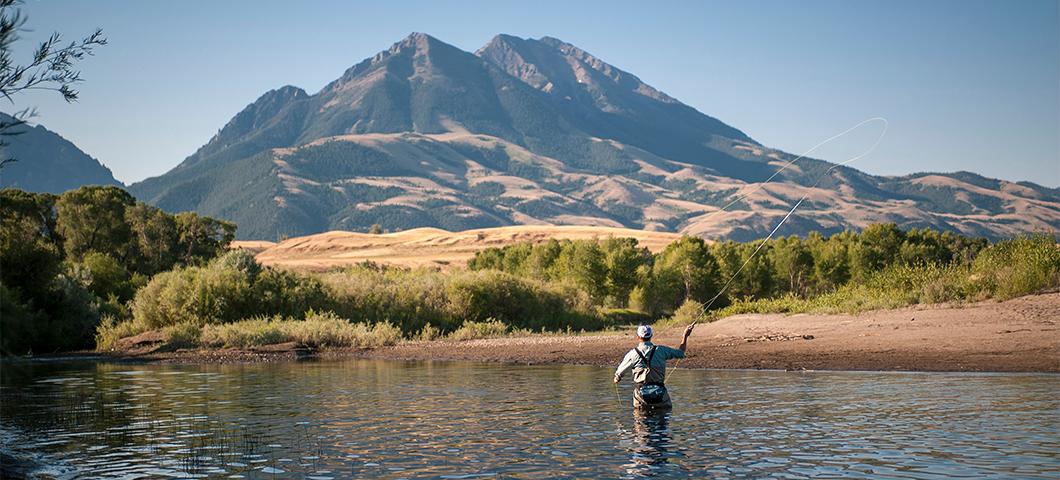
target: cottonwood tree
<point>685,270</point>
<point>51,68</point>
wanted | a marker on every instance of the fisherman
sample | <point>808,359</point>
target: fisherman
<point>648,362</point>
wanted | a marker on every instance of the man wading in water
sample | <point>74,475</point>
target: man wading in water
<point>648,362</point>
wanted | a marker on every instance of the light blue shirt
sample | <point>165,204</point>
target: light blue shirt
<point>658,361</point>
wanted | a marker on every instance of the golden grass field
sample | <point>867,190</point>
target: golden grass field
<point>425,247</point>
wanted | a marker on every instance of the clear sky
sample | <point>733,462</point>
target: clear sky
<point>966,85</point>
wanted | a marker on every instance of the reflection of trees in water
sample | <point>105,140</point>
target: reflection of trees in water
<point>189,420</point>
<point>650,444</point>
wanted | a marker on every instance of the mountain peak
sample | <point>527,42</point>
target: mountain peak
<point>530,131</point>
<point>415,45</point>
<point>554,66</point>
<point>417,41</point>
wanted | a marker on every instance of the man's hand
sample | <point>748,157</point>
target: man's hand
<point>688,329</point>
<point>617,379</point>
<point>684,341</point>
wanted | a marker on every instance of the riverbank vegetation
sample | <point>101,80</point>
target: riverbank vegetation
<point>94,266</point>
<point>68,260</point>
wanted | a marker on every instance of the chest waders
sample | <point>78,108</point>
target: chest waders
<point>652,391</point>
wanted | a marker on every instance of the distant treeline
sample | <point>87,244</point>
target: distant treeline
<point>617,273</point>
<point>67,260</point>
<point>94,263</point>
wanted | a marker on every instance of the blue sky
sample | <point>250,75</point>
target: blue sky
<point>966,85</point>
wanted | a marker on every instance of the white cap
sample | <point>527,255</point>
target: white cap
<point>644,331</point>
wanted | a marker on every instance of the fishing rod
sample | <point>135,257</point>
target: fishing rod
<point>795,207</point>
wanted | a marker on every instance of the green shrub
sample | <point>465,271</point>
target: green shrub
<point>1007,269</point>
<point>428,333</point>
<point>689,312</point>
<point>328,330</point>
<point>182,335</point>
<point>243,334</point>
<point>325,330</point>
<point>410,299</point>
<point>199,295</point>
<point>472,330</point>
<point>110,330</point>
<point>230,288</point>
<point>1017,267</point>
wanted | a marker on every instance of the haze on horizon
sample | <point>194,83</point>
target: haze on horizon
<point>965,85</point>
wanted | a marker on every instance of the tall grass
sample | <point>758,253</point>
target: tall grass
<point>110,330</point>
<point>325,330</point>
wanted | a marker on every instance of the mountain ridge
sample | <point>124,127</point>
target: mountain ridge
<point>527,131</point>
<point>48,162</point>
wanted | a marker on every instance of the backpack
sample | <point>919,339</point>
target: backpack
<point>650,392</point>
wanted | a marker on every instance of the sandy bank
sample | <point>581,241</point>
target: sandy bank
<point>1019,335</point>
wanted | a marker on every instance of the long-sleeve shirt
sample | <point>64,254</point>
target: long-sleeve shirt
<point>657,374</point>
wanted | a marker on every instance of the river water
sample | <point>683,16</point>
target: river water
<point>387,419</point>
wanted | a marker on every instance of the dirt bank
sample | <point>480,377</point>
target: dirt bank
<point>1020,335</point>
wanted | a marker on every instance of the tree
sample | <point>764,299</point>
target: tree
<point>376,229</point>
<point>202,238</point>
<point>792,264</point>
<point>51,68</point>
<point>92,219</point>
<point>831,259</point>
<point>876,247</point>
<point>106,276</point>
<point>542,258</point>
<point>30,254</point>
<point>582,262</point>
<point>156,238</point>
<point>684,270</point>
<point>622,258</point>
<point>751,273</point>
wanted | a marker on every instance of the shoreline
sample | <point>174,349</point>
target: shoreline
<point>1017,335</point>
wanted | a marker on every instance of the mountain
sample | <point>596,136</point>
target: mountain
<point>528,131</point>
<point>47,162</point>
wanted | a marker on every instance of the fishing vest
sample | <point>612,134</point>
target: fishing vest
<point>647,374</point>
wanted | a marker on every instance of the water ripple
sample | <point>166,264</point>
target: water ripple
<point>381,419</point>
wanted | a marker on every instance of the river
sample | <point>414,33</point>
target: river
<point>391,419</point>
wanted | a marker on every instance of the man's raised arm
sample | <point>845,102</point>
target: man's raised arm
<point>684,341</point>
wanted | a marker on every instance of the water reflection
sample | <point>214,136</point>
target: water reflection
<point>650,444</point>
<point>377,419</point>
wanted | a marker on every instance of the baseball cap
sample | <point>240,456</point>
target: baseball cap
<point>644,331</point>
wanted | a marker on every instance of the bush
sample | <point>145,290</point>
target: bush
<point>182,335</point>
<point>410,299</point>
<point>230,288</point>
<point>198,295</point>
<point>472,330</point>
<point>428,333</point>
<point>325,330</point>
<point>1017,267</point>
<point>110,330</point>
<point>690,312</point>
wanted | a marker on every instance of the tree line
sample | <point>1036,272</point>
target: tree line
<point>618,273</point>
<point>94,265</point>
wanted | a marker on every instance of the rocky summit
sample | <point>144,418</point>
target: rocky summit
<point>525,131</point>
